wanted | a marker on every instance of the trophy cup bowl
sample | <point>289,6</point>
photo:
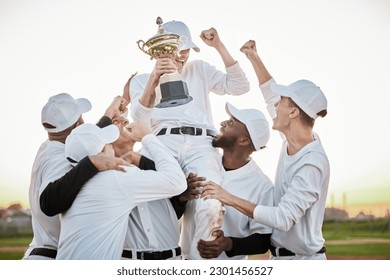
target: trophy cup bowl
<point>164,44</point>
<point>172,89</point>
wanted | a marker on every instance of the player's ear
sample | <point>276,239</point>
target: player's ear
<point>294,112</point>
<point>244,141</point>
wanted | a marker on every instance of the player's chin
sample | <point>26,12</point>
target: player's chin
<point>215,141</point>
<point>126,131</point>
<point>218,136</point>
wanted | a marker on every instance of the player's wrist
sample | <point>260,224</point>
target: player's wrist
<point>228,244</point>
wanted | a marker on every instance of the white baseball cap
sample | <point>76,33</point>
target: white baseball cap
<point>88,139</point>
<point>307,95</point>
<point>178,27</point>
<point>62,111</point>
<point>255,122</point>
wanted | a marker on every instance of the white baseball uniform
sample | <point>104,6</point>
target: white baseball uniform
<point>194,153</point>
<point>50,164</point>
<point>95,225</point>
<point>301,186</point>
<point>249,183</point>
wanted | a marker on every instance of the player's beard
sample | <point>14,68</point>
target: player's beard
<point>224,142</point>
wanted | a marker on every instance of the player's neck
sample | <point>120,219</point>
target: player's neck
<point>120,150</point>
<point>298,139</point>
<point>59,137</point>
<point>235,159</point>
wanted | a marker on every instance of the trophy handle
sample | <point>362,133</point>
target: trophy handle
<point>143,46</point>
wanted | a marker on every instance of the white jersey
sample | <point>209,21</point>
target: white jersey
<point>153,226</point>
<point>201,79</point>
<point>49,165</point>
<point>95,226</point>
<point>249,183</point>
<point>301,187</point>
<point>194,153</point>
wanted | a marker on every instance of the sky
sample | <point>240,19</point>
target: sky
<point>88,49</point>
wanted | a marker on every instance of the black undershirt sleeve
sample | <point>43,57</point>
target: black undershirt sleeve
<point>59,195</point>
<point>104,121</point>
<point>146,163</point>
<point>253,244</point>
<point>178,206</point>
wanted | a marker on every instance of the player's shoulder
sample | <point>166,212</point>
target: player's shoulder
<point>138,83</point>
<point>260,176</point>
<point>254,168</point>
<point>143,77</point>
<point>197,63</point>
<point>315,155</point>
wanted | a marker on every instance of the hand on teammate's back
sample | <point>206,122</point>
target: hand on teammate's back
<point>106,160</point>
<point>132,157</point>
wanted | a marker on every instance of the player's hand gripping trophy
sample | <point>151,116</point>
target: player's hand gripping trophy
<point>172,89</point>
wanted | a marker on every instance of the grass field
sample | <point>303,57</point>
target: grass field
<point>358,239</point>
<point>12,248</point>
<point>364,240</point>
<point>335,230</point>
<point>364,250</point>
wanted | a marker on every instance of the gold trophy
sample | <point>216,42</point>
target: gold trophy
<point>172,91</point>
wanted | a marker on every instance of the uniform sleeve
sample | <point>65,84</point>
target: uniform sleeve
<point>59,195</point>
<point>253,244</point>
<point>168,180</point>
<point>178,206</point>
<point>104,121</point>
<point>146,164</point>
<point>140,112</point>
<point>303,192</point>
<point>233,82</point>
<point>270,97</point>
<point>137,110</point>
<point>266,197</point>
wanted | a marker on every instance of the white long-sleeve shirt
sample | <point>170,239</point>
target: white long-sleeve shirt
<point>153,226</point>
<point>248,182</point>
<point>96,224</point>
<point>49,165</point>
<point>201,79</point>
<point>301,187</point>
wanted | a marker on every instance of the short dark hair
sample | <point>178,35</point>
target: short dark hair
<point>306,119</point>
<point>322,113</point>
<point>47,125</point>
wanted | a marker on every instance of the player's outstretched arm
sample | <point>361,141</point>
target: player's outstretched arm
<point>213,190</point>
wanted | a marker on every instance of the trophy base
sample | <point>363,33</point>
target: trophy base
<point>173,93</point>
<point>167,103</point>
